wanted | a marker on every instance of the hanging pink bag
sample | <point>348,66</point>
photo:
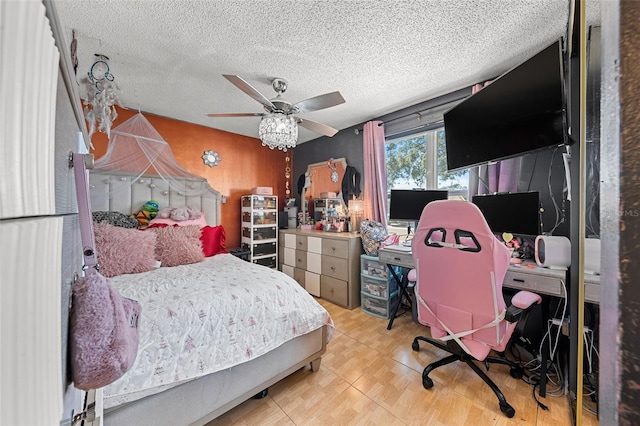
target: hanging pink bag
<point>103,326</point>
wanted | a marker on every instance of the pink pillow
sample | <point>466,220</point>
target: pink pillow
<point>189,222</point>
<point>213,240</point>
<point>124,251</point>
<point>178,245</point>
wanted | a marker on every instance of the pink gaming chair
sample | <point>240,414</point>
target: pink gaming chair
<point>460,266</point>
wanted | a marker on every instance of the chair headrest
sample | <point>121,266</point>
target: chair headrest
<point>452,215</point>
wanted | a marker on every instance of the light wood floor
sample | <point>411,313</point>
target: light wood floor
<point>370,376</point>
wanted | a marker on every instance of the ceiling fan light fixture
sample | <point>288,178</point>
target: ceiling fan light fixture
<point>278,131</point>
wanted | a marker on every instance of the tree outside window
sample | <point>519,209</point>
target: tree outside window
<point>420,161</point>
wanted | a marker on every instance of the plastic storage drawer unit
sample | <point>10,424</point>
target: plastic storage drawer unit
<point>377,286</point>
<point>372,267</point>
<point>377,306</point>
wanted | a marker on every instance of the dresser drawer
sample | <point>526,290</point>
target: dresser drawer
<point>336,248</point>
<point>314,262</point>
<point>289,256</point>
<point>290,240</point>
<point>287,270</point>
<point>335,267</point>
<point>301,259</point>
<point>314,244</point>
<point>534,283</point>
<point>312,283</point>
<point>298,275</point>
<point>301,242</point>
<point>334,290</point>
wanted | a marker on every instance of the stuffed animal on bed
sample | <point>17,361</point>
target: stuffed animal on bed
<point>179,214</point>
<point>149,211</point>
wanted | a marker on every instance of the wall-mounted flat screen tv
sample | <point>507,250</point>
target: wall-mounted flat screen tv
<point>522,111</point>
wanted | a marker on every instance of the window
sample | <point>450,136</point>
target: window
<point>456,182</point>
<point>420,161</point>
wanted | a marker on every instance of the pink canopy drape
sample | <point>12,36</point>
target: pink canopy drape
<point>375,172</point>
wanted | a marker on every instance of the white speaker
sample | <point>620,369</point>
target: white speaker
<point>592,256</point>
<point>553,252</point>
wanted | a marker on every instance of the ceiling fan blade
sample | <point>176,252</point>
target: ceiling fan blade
<point>320,102</point>
<point>249,90</point>
<point>238,114</point>
<point>323,129</point>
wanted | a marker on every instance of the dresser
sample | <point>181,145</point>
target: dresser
<point>326,264</point>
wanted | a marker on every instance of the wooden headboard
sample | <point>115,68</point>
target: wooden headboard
<point>115,191</point>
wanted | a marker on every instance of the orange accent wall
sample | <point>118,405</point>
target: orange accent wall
<point>244,162</point>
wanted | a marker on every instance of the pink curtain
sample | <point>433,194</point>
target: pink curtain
<point>375,172</point>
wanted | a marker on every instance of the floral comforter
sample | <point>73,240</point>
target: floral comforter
<point>205,317</point>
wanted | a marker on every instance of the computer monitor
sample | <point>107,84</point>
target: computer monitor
<point>517,212</point>
<point>407,204</point>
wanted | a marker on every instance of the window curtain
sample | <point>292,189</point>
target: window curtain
<point>375,172</point>
<point>501,176</point>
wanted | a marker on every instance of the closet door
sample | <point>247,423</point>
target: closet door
<point>30,231</point>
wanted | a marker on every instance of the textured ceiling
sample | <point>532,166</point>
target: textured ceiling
<point>168,56</point>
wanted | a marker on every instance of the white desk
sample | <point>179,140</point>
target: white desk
<point>526,276</point>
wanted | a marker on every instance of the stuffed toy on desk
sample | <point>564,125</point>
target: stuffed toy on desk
<point>149,211</point>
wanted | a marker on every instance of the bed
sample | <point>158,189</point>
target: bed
<point>264,325</point>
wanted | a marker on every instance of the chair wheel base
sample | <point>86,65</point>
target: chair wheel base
<point>415,346</point>
<point>516,372</point>
<point>427,383</point>
<point>507,410</point>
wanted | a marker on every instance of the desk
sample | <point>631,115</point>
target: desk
<point>525,276</point>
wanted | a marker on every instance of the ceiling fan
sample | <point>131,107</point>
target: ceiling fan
<point>278,105</point>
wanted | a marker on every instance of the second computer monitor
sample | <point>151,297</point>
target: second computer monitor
<point>517,212</point>
<point>407,204</point>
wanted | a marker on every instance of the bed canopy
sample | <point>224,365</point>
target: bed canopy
<point>136,148</point>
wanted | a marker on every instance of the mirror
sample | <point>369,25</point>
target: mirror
<point>322,178</point>
<point>325,176</point>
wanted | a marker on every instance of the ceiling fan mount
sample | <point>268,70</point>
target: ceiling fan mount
<point>279,85</point>
<point>281,105</point>
<point>278,105</point>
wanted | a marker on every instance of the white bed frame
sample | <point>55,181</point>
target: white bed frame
<point>201,400</point>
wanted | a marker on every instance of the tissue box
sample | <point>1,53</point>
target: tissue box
<point>262,190</point>
<point>328,195</point>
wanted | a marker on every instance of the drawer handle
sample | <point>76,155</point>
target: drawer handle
<point>333,248</point>
<point>299,260</point>
<point>518,280</point>
<point>333,268</point>
<point>299,243</point>
<point>396,258</point>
